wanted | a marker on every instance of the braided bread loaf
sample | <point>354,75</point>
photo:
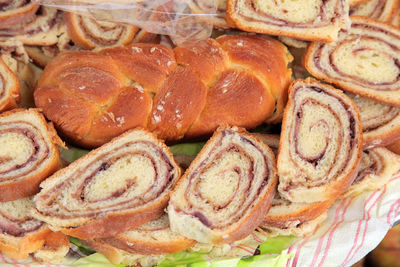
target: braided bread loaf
<point>227,190</point>
<point>111,190</point>
<point>321,143</point>
<point>364,61</point>
<point>185,92</point>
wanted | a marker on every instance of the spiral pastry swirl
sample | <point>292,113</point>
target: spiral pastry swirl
<point>16,11</point>
<point>28,154</point>
<point>41,29</point>
<point>380,123</point>
<point>227,189</point>
<point>125,183</point>
<point>321,143</point>
<point>382,10</point>
<point>306,20</point>
<point>91,33</point>
<point>377,167</point>
<point>364,61</point>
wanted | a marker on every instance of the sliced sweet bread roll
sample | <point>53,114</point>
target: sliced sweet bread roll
<point>321,143</point>
<point>394,147</point>
<point>227,189</point>
<point>378,165</point>
<point>380,122</point>
<point>306,20</point>
<point>28,154</point>
<point>113,189</point>
<point>355,2</point>
<point>271,140</point>
<point>293,42</point>
<point>382,10</point>
<point>364,61</point>
<point>21,234</point>
<point>152,238</point>
<point>395,21</point>
<point>91,33</point>
<point>9,88</point>
<point>15,11</point>
<point>298,219</point>
<point>41,29</point>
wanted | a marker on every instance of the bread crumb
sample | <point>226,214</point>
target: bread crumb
<point>136,49</point>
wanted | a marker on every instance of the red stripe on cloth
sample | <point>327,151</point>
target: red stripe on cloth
<point>330,237</point>
<point>358,229</point>
<point>247,250</point>
<point>321,239</point>
<point>256,238</point>
<point>366,222</point>
<point>391,211</point>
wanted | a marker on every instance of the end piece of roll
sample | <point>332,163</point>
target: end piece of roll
<point>227,190</point>
<point>378,165</point>
<point>321,143</point>
<point>9,88</point>
<point>29,153</point>
<point>22,235</point>
<point>298,219</point>
<point>111,190</point>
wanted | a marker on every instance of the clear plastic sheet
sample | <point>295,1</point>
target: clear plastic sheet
<point>182,20</point>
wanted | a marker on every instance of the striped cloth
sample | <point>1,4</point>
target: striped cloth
<point>355,226</point>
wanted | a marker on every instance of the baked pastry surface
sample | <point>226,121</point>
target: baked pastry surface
<point>227,190</point>
<point>111,190</point>
<point>321,143</point>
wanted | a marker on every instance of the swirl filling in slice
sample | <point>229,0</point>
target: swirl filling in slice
<point>298,219</point>
<point>321,143</point>
<point>15,11</point>
<point>382,10</point>
<point>28,154</point>
<point>113,189</point>
<point>90,33</point>
<point>152,238</point>
<point>227,189</point>
<point>43,28</point>
<point>380,123</point>
<point>364,61</point>
<point>377,167</point>
<point>21,234</point>
<point>306,20</point>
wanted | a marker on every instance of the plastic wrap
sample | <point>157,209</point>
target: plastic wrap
<point>182,20</point>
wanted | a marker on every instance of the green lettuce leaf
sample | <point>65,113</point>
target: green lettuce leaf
<point>82,248</point>
<point>72,153</point>
<point>190,149</point>
<point>276,245</point>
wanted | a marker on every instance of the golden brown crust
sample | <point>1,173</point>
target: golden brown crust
<point>306,213</point>
<point>394,147</point>
<point>186,92</point>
